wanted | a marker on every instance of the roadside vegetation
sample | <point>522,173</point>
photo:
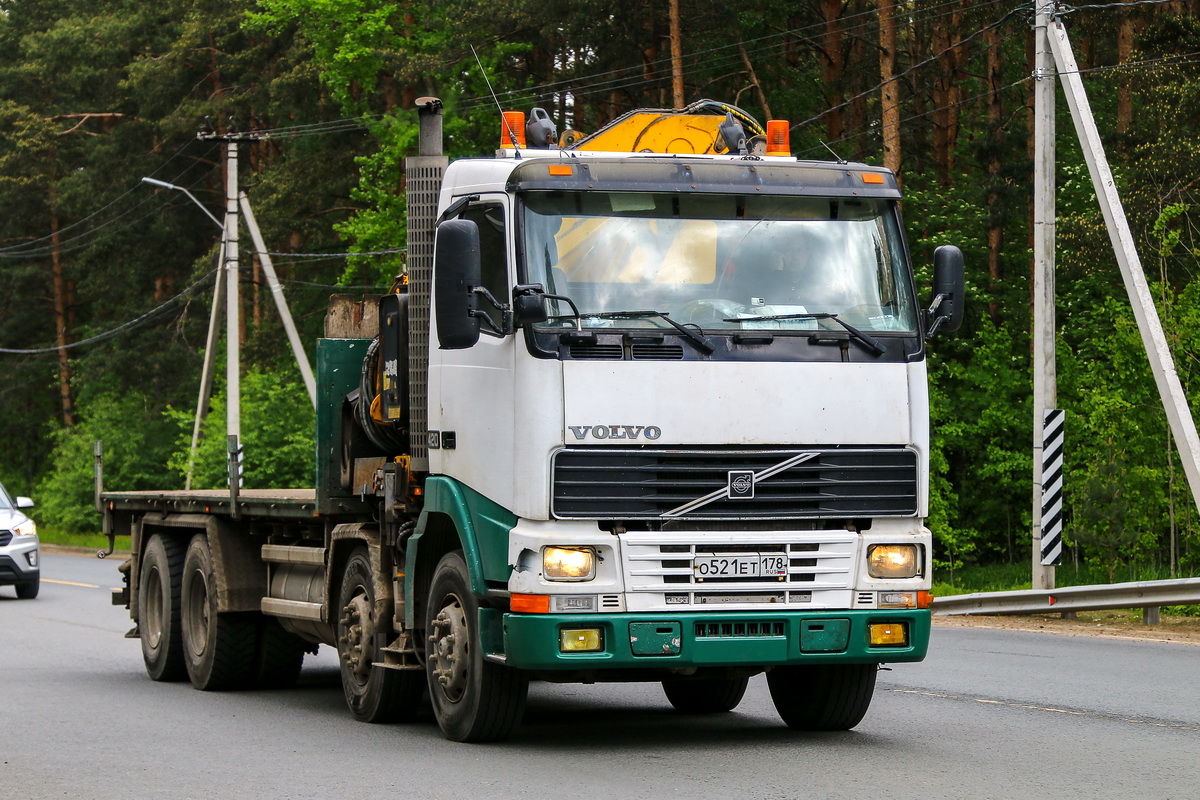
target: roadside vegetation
<point>95,95</point>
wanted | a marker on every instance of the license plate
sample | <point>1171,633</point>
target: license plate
<point>740,565</point>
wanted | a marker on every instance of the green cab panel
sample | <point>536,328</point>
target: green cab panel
<point>726,639</point>
<point>482,527</point>
<point>655,638</point>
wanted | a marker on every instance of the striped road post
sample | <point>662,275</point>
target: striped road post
<point>1052,486</point>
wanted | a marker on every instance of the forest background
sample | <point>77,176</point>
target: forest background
<point>105,282</point>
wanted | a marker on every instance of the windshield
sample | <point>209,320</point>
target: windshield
<point>718,261</point>
<point>6,502</point>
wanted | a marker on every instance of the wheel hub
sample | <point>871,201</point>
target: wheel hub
<point>450,650</point>
<point>357,632</point>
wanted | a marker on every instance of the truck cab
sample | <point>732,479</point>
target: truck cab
<point>682,399</point>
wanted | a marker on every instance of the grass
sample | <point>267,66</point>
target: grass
<point>90,541</point>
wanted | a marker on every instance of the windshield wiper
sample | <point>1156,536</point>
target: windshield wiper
<point>701,343</point>
<point>870,342</point>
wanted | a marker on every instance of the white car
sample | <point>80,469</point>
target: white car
<point>19,547</point>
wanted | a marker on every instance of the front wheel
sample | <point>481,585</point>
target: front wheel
<point>705,695</point>
<point>824,697</point>
<point>473,699</point>
<point>28,590</point>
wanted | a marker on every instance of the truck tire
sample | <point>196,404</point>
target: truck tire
<point>825,697</point>
<point>218,648</point>
<point>159,581</point>
<point>474,700</point>
<point>280,655</point>
<point>29,589</point>
<point>705,695</point>
<point>373,694</point>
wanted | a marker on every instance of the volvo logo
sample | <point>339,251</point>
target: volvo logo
<point>616,431</point>
<point>741,484</point>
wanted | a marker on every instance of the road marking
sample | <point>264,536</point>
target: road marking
<point>71,583</point>
<point>1029,707</point>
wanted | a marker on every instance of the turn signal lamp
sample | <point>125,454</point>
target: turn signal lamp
<point>529,603</point>
<point>512,130</point>
<point>580,640</point>
<point>568,563</point>
<point>921,599</point>
<point>888,634</point>
<point>779,138</point>
<point>893,561</point>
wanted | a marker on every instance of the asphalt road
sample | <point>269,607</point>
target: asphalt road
<point>990,714</point>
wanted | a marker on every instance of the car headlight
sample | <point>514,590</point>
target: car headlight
<point>26,528</point>
<point>893,561</point>
<point>568,563</point>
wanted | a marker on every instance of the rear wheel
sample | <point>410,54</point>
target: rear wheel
<point>705,695</point>
<point>374,694</point>
<point>825,697</point>
<point>159,581</point>
<point>280,655</point>
<point>219,650</point>
<point>473,699</point>
<point>29,590</point>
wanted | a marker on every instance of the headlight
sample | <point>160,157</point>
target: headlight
<point>893,561</point>
<point>568,563</point>
<point>26,528</point>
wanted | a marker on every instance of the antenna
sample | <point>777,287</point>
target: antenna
<point>512,136</point>
<point>840,160</point>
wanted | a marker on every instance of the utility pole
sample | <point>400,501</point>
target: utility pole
<point>1162,364</point>
<point>1045,386</point>
<point>233,382</point>
<point>1053,54</point>
<point>210,352</point>
<point>264,258</point>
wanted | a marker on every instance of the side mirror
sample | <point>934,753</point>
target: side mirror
<point>456,273</point>
<point>949,286</point>
<point>529,304</point>
<point>24,502</point>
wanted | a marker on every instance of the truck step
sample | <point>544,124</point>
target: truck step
<point>292,609</point>
<point>289,554</point>
<point>399,655</point>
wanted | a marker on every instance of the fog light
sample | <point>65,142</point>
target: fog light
<point>580,640</point>
<point>888,634</point>
<point>892,561</point>
<point>568,563</point>
<point>31,557</point>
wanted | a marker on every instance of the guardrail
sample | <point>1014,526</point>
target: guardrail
<point>1141,594</point>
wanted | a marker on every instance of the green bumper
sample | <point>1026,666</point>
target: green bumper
<point>673,641</point>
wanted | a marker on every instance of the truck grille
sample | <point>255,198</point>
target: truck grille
<point>660,569</point>
<point>5,537</point>
<point>611,483</point>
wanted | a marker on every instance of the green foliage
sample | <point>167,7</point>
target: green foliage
<point>155,71</point>
<point>278,441</point>
<point>136,442</point>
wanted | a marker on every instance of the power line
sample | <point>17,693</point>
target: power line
<point>26,249</point>
<point>126,326</point>
<point>658,69</point>
<point>913,68</point>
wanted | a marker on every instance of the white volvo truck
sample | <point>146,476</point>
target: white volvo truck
<point>650,406</point>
